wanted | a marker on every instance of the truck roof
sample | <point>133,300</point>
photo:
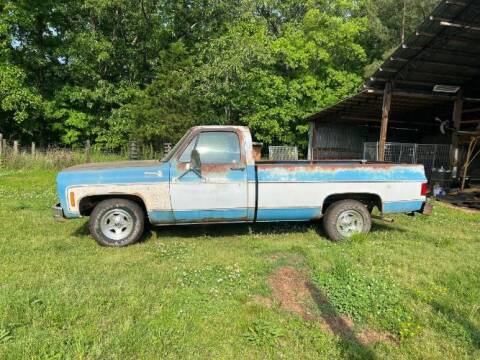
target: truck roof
<point>221,127</point>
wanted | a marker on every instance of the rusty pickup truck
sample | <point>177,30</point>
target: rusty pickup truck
<point>211,176</point>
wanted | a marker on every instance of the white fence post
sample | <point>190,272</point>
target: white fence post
<point>15,147</point>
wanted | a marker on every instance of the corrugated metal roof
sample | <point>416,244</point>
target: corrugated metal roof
<point>445,50</point>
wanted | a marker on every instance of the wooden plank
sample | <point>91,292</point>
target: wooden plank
<point>457,121</point>
<point>413,94</point>
<point>387,102</point>
<point>469,111</point>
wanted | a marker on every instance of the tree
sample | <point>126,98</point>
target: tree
<point>112,70</point>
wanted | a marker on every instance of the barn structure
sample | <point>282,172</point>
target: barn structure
<point>422,105</point>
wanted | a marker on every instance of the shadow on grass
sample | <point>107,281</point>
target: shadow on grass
<point>352,347</point>
<point>216,230</point>
<point>470,329</point>
<point>380,226</point>
<point>278,228</point>
<point>81,231</point>
<point>231,230</point>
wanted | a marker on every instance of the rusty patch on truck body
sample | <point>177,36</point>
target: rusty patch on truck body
<point>329,167</point>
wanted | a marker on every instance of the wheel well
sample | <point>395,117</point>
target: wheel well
<point>88,203</point>
<point>369,200</point>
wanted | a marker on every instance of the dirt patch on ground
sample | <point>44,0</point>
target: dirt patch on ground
<point>367,337</point>
<point>460,208</point>
<point>263,300</point>
<point>292,290</point>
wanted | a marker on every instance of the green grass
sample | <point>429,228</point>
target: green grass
<point>56,159</point>
<point>188,292</point>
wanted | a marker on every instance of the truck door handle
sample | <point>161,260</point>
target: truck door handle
<point>237,168</point>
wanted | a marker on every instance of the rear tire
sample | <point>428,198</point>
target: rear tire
<point>117,222</point>
<point>345,218</point>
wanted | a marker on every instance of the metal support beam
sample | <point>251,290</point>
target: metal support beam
<point>456,3</point>
<point>415,94</point>
<point>387,102</point>
<point>442,51</point>
<point>457,24</point>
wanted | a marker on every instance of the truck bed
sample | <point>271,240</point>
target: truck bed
<point>299,189</point>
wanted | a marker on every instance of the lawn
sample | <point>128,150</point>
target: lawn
<point>409,290</point>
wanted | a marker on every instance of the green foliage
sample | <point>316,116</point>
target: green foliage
<point>109,71</point>
<point>263,333</point>
<point>18,101</point>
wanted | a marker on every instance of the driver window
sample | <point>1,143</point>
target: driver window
<point>185,158</point>
<point>214,148</point>
<point>219,147</point>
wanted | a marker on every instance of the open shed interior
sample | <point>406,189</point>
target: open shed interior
<point>426,93</point>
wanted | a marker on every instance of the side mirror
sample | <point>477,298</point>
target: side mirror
<point>195,162</point>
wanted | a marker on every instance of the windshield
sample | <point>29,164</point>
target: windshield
<point>168,157</point>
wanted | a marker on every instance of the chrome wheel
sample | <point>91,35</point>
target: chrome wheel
<point>349,222</point>
<point>116,224</point>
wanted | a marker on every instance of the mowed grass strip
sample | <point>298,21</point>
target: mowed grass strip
<point>206,292</point>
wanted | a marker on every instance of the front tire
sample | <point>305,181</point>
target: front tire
<point>117,222</point>
<point>346,218</point>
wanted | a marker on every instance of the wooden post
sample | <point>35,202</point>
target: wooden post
<point>15,147</point>
<point>468,160</point>
<point>34,148</point>
<point>387,102</point>
<point>457,123</point>
<point>2,149</point>
<point>311,134</point>
<point>87,151</point>
<point>133,151</point>
<point>166,148</point>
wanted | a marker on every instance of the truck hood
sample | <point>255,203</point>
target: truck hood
<point>115,173</point>
<point>113,165</point>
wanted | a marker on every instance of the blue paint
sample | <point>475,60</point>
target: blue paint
<point>161,217</point>
<point>233,215</point>
<point>289,214</point>
<point>251,173</point>
<point>109,175</point>
<point>198,216</point>
<point>369,174</point>
<point>251,214</point>
<point>402,206</point>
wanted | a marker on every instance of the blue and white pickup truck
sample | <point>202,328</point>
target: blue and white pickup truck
<point>211,176</point>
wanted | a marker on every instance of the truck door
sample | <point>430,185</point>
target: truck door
<point>218,192</point>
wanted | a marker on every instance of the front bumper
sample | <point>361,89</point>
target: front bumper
<point>58,214</point>
<point>427,209</point>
